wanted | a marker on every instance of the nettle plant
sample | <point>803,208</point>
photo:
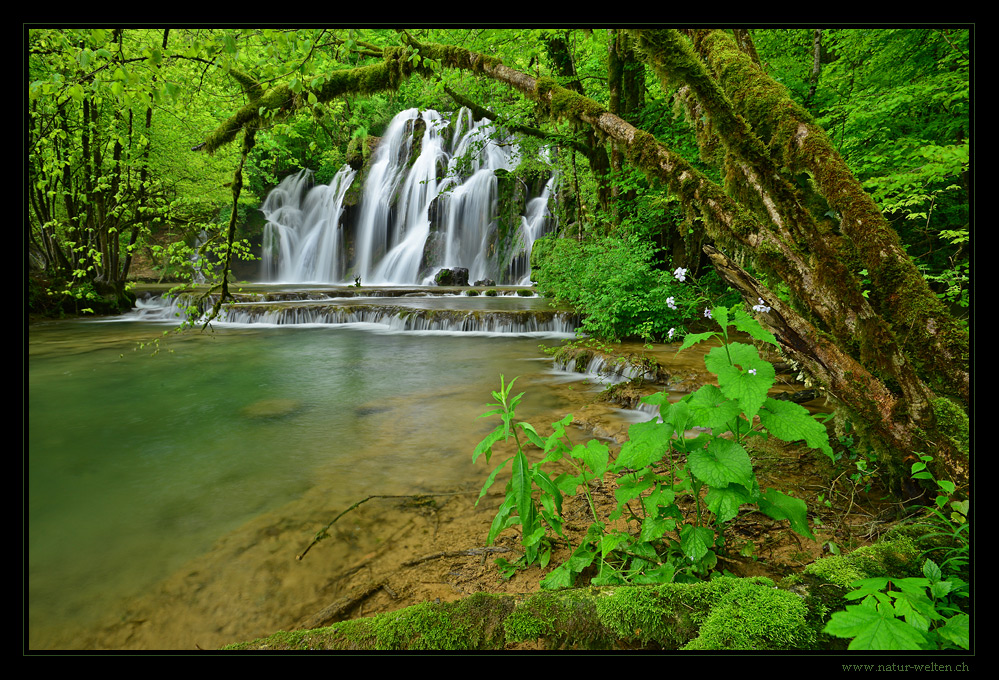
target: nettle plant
<point>659,470</point>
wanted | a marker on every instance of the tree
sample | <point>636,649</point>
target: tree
<point>896,360</point>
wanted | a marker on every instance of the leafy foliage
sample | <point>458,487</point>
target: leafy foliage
<point>615,286</point>
<point>905,613</point>
<point>655,467</point>
<point>917,613</point>
<point>897,102</point>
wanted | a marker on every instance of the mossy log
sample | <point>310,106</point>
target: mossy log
<point>724,613</point>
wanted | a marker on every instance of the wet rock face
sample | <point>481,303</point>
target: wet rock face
<point>457,276</point>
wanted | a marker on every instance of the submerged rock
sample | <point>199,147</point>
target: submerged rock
<point>271,408</point>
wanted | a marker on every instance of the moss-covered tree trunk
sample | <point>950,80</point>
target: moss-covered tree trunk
<point>897,361</point>
<point>899,353</point>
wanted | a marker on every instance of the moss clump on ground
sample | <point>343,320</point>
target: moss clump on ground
<point>758,617</point>
<point>725,613</point>
<point>896,555</point>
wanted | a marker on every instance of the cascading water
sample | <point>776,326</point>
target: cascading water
<point>416,215</point>
<point>303,237</point>
<point>533,225</point>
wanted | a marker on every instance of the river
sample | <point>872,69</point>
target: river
<point>145,445</point>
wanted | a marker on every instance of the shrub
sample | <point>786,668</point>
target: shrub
<point>614,285</point>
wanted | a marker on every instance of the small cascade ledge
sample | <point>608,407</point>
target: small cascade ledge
<point>391,310</point>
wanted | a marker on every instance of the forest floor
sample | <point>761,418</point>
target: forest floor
<point>392,552</point>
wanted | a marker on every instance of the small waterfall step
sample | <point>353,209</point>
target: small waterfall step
<point>401,317</point>
<point>392,309</point>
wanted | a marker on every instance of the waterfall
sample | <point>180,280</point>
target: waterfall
<point>303,236</point>
<point>416,215</point>
<point>534,224</point>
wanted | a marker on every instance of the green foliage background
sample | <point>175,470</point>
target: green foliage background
<point>895,100</point>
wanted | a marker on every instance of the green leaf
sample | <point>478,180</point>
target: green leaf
<point>582,557</point>
<point>567,483</point>
<point>792,422</point>
<point>780,506</point>
<point>874,628</point>
<point>491,479</point>
<point>720,316</point>
<point>746,378</point>
<point>725,501</point>
<point>867,586</point>
<point>654,528</point>
<point>696,541</point>
<point>532,434</point>
<point>558,578</point>
<point>661,500</point>
<point>548,488</point>
<point>647,444</point>
<point>932,571</point>
<point>957,630</point>
<point>486,445</point>
<point>721,463</point>
<point>629,487</point>
<point>596,455</point>
<point>521,489</point>
<point>502,520</point>
<point>677,415</point>
<point>692,339</point>
<point>710,408</point>
<point>610,542</point>
<point>748,324</point>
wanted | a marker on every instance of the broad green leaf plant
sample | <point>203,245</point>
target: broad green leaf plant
<point>916,613</point>
<point>655,468</point>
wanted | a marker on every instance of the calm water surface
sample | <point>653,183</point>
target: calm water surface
<point>139,461</point>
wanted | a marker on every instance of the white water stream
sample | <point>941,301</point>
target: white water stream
<point>416,215</point>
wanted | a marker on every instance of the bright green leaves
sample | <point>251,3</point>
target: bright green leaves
<point>696,542</point>
<point>486,445</point>
<point>776,505</point>
<point>873,625</point>
<point>744,322</point>
<point>692,453</point>
<point>905,613</point>
<point>647,443</point>
<point>710,407</point>
<point>721,463</point>
<point>724,501</point>
<point>742,375</point>
<point>520,486</point>
<point>791,422</point>
<point>519,506</point>
<point>614,284</point>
